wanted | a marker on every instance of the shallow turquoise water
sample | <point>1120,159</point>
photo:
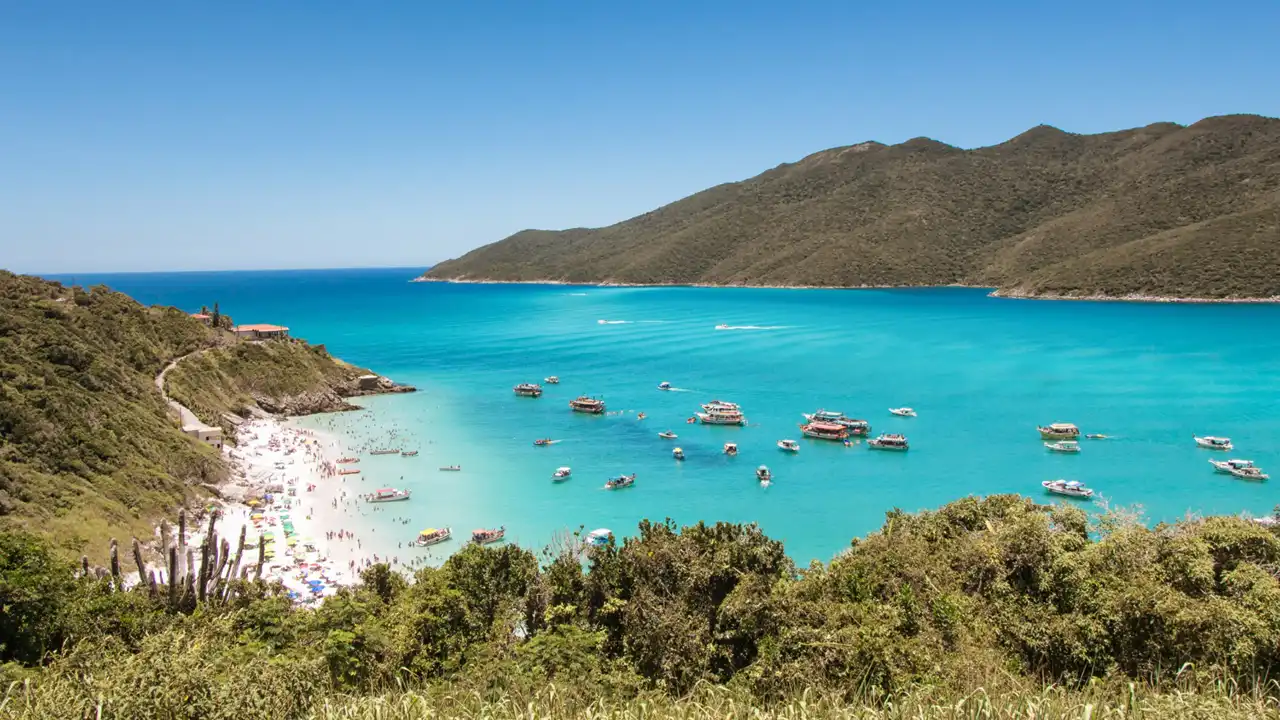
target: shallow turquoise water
<point>981,372</point>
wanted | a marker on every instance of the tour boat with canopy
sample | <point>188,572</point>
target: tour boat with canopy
<point>561,474</point>
<point>1210,442</point>
<point>528,390</point>
<point>622,481</point>
<point>484,536</point>
<point>1069,488</point>
<point>387,495</point>
<point>820,430</point>
<point>1059,431</point>
<point>587,404</point>
<point>789,446</point>
<point>860,428</point>
<point>432,536</point>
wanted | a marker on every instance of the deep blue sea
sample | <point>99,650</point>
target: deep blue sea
<point>981,372</point>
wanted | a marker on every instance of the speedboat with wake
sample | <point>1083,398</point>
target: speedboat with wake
<point>1063,446</point>
<point>1068,488</point>
<point>664,385</point>
<point>667,435</point>
<point>542,442</point>
<point>622,481</point>
<point>789,446</point>
<point>903,412</point>
<point>1210,442</point>
<point>561,474</point>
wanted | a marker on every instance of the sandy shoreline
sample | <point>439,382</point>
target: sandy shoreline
<point>992,292</point>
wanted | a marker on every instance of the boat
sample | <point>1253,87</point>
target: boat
<point>561,474</point>
<point>1069,488</point>
<point>720,405</point>
<point>731,448</point>
<point>1249,473</point>
<point>667,435</point>
<point>903,412</point>
<point>622,481</point>
<point>1096,436</point>
<point>1059,431</point>
<point>1063,446</point>
<point>432,536</point>
<point>385,451</point>
<point>722,326</point>
<point>408,453</point>
<point>677,454</point>
<point>721,414</point>
<point>451,468</point>
<point>541,442</point>
<point>861,428</point>
<point>345,460</point>
<point>599,536</point>
<point>664,385</point>
<point>789,445</point>
<point>763,474</point>
<point>485,536</point>
<point>1226,466</point>
<point>1210,442</point>
<point>888,442</point>
<point>528,390</point>
<point>349,472</point>
<point>587,404</point>
<point>825,430</point>
<point>552,380</point>
<point>386,495</point>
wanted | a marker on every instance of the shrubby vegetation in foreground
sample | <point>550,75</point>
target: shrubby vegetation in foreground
<point>993,607</point>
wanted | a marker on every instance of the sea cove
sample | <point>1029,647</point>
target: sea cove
<point>982,373</point>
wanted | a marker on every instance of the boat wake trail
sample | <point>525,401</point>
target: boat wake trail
<point>614,322</point>
<point>576,294</point>
<point>752,327</point>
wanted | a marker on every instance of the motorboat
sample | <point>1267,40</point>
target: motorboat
<point>664,385</point>
<point>903,412</point>
<point>720,405</point>
<point>451,468</point>
<point>599,536</point>
<point>721,417</point>
<point>888,442</point>
<point>541,442</point>
<point>763,474</point>
<point>1249,473</point>
<point>385,451</point>
<point>1059,431</point>
<point>1063,446</point>
<point>677,454</point>
<point>432,536</point>
<point>731,448</point>
<point>528,390</point>
<point>1226,466</point>
<point>622,481</point>
<point>1096,436</point>
<point>1210,442</point>
<point>860,428</point>
<point>587,404</point>
<point>552,380</point>
<point>352,471</point>
<point>789,446</point>
<point>561,474</point>
<point>667,435</point>
<point>722,326</point>
<point>408,453</point>
<point>387,495</point>
<point>825,430</point>
<point>484,536</point>
<point>1069,488</point>
<point>345,460</point>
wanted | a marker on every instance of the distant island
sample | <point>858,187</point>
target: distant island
<point>1152,213</point>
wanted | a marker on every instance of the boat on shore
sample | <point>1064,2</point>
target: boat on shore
<point>346,460</point>
<point>551,380</point>
<point>622,481</point>
<point>484,536</point>
<point>528,390</point>
<point>451,468</point>
<point>587,404</point>
<point>385,451</point>
<point>856,427</point>
<point>382,495</point>
<point>561,474</point>
<point>1210,442</point>
<point>433,536</point>
<point>1068,488</point>
<point>1063,446</point>
<point>353,471</point>
<point>903,412</point>
<point>1059,431</point>
<point>667,435</point>
<point>889,442</point>
<point>731,448</point>
<point>763,474</point>
<point>664,385</point>
<point>789,446</point>
<point>677,454</point>
<point>408,453</point>
<point>819,430</point>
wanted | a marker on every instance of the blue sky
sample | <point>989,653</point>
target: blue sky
<point>169,136</point>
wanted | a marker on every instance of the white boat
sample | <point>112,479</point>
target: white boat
<point>722,326</point>
<point>432,536</point>
<point>1069,488</point>
<point>667,435</point>
<point>599,536</point>
<point>763,474</point>
<point>1063,446</point>
<point>1250,473</point>
<point>1226,466</point>
<point>903,412</point>
<point>553,380</point>
<point>722,417</point>
<point>451,468</point>
<point>386,495</point>
<point>528,390</point>
<point>561,474</point>
<point>1210,442</point>
<point>677,454</point>
<point>620,482</point>
<point>889,442</point>
<point>664,385</point>
<point>731,448</point>
<point>861,428</point>
<point>789,445</point>
<point>720,405</point>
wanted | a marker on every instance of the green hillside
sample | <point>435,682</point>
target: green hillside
<point>1161,210</point>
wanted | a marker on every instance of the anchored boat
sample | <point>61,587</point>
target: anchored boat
<point>622,481</point>
<point>561,474</point>
<point>1210,442</point>
<point>763,474</point>
<point>587,404</point>
<point>432,536</point>
<point>1063,446</point>
<point>528,390</point>
<point>789,446</point>
<point>387,495</point>
<point>553,380</point>
<point>903,412</point>
<point>485,536</point>
<point>860,428</point>
<point>1068,488</point>
<point>1059,431</point>
<point>667,435</point>
<point>888,442</point>
<point>731,448</point>
<point>825,430</point>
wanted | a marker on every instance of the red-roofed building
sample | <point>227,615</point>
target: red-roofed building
<point>261,332</point>
<point>206,319</point>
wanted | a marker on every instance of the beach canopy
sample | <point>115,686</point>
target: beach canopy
<point>256,516</point>
<point>252,503</point>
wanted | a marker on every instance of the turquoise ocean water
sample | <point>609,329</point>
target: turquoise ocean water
<point>981,372</point>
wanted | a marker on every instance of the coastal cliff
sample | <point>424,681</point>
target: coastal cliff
<point>1162,211</point>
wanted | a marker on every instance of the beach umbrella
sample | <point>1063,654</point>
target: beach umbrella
<point>291,542</point>
<point>252,503</point>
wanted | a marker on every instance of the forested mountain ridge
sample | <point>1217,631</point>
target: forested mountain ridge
<point>1162,210</point>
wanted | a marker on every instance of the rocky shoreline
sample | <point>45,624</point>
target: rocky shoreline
<point>333,399</point>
